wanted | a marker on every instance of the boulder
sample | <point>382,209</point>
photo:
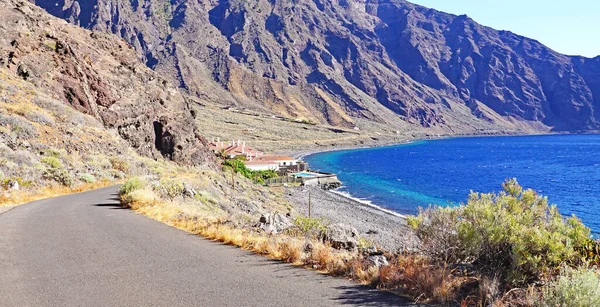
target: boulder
<point>247,206</point>
<point>265,218</point>
<point>274,223</point>
<point>378,260</point>
<point>189,191</point>
<point>308,246</point>
<point>13,185</point>
<point>341,236</point>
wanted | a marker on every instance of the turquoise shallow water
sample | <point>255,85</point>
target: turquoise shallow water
<point>566,168</point>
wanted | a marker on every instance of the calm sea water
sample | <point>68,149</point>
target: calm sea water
<point>566,168</point>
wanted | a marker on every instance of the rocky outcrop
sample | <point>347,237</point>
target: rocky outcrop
<point>341,236</point>
<point>274,223</point>
<point>386,61</point>
<point>100,75</point>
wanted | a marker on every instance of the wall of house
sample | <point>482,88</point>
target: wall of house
<point>263,167</point>
<point>286,162</point>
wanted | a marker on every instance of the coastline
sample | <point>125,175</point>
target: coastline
<point>367,203</point>
<point>346,202</point>
<point>304,153</point>
<point>385,229</point>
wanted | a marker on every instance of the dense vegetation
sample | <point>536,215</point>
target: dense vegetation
<point>515,239</point>
<point>238,166</point>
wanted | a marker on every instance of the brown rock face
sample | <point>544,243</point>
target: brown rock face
<point>334,61</point>
<point>100,75</point>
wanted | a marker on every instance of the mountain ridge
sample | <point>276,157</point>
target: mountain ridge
<point>389,62</point>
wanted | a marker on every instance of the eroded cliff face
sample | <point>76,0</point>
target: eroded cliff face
<point>337,61</point>
<point>100,75</point>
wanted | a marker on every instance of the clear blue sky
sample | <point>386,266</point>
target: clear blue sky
<point>571,27</point>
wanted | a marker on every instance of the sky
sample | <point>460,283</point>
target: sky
<point>570,27</point>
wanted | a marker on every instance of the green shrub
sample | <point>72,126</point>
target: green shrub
<point>22,182</point>
<point>53,162</point>
<point>237,164</point>
<point>264,175</point>
<point>365,243</point>
<point>52,152</point>
<point>87,178</point>
<point>170,188</point>
<point>205,197</point>
<point>239,167</point>
<point>59,175</point>
<point>131,185</point>
<point>311,225</point>
<point>514,233</point>
<point>573,288</point>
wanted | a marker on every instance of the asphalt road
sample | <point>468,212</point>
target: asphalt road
<point>84,250</point>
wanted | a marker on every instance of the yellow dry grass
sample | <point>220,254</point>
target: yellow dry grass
<point>411,275</point>
<point>15,198</point>
<point>211,225</point>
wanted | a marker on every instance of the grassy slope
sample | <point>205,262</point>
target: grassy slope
<point>51,149</point>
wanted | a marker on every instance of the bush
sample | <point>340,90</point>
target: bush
<point>22,182</point>
<point>239,167</point>
<point>120,164</point>
<point>311,225</point>
<point>170,188</point>
<point>52,152</point>
<point>39,117</point>
<point>131,185</point>
<point>205,198</point>
<point>139,198</point>
<point>51,161</point>
<point>87,178</point>
<point>573,288</point>
<point>515,234</point>
<point>19,127</point>
<point>237,164</point>
<point>59,175</point>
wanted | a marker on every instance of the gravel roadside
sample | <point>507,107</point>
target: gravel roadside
<point>388,231</point>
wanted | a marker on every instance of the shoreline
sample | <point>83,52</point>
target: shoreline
<point>387,230</point>
<point>356,201</point>
<point>309,152</point>
<point>367,203</point>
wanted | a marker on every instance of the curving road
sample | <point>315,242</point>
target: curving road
<point>84,250</point>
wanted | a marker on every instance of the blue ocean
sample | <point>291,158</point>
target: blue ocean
<point>402,178</point>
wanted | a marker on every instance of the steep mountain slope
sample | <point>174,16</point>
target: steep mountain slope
<point>97,74</point>
<point>387,61</point>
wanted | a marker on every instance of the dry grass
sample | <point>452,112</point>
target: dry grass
<point>14,198</point>
<point>417,277</point>
<point>410,275</point>
<point>216,226</point>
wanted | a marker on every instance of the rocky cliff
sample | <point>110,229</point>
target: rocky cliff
<point>336,61</point>
<point>100,75</point>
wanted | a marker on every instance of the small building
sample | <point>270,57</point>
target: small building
<point>270,162</point>
<point>281,160</point>
<point>254,159</point>
<point>326,181</point>
<point>262,165</point>
<point>233,149</point>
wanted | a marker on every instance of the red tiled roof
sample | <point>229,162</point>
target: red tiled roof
<point>234,149</point>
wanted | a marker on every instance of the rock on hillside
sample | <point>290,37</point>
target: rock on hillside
<point>100,75</point>
<point>336,61</point>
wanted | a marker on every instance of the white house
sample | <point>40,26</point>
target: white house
<point>261,163</point>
